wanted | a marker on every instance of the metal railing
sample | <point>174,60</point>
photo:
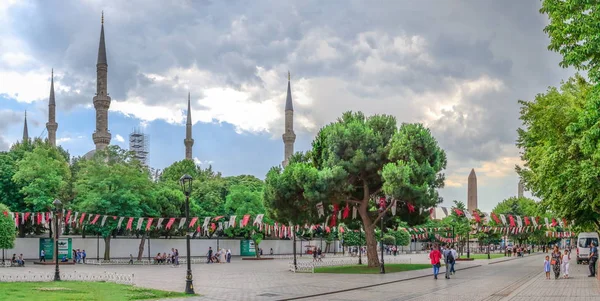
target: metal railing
<point>309,267</point>
<point>71,276</point>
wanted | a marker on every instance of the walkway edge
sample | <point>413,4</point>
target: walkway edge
<point>371,285</point>
<point>522,287</point>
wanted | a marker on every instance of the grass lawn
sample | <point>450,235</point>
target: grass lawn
<point>73,290</point>
<point>363,269</point>
<point>483,256</point>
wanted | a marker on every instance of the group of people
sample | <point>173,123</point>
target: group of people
<point>17,261</point>
<point>446,253</point>
<point>518,251</point>
<point>559,262</point>
<point>79,256</point>
<point>317,254</point>
<point>221,256</point>
<point>171,258</point>
<point>391,250</point>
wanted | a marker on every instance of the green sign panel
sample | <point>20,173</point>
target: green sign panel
<point>247,248</point>
<point>65,248</point>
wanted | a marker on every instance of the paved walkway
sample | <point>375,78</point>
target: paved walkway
<point>494,280</point>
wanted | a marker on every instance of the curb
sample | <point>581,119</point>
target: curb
<point>499,261</point>
<point>368,286</point>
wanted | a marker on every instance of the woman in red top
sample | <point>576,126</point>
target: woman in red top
<point>435,256</point>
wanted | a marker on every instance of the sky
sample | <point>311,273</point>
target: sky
<point>457,66</point>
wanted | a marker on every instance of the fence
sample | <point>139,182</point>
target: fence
<point>70,276</point>
<point>309,267</point>
<point>139,262</point>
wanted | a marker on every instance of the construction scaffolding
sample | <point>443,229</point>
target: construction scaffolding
<point>138,144</point>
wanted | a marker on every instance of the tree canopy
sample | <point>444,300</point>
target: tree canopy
<point>356,161</point>
<point>573,32</point>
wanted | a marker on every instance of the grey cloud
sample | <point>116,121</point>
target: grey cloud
<point>465,40</point>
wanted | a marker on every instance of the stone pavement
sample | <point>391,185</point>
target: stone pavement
<point>271,280</point>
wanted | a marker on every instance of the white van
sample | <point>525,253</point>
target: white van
<point>583,245</point>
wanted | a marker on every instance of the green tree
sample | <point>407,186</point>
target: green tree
<point>358,160</point>
<point>573,32</point>
<point>7,229</point>
<point>558,141</point>
<point>43,175</point>
<point>115,184</point>
<point>459,224</point>
<point>402,237</point>
<point>246,198</point>
<point>353,238</point>
<point>521,207</point>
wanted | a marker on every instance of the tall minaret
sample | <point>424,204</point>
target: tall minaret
<point>289,137</point>
<point>520,189</point>
<point>51,125</point>
<point>101,136</point>
<point>188,141</point>
<point>472,191</point>
<point>25,131</point>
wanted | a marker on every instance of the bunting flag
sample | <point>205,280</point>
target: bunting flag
<point>519,222</point>
<point>193,222</point>
<point>68,216</point>
<point>129,223</point>
<point>346,211</point>
<point>503,219</point>
<point>546,222</point>
<point>477,217</point>
<point>232,221</point>
<point>394,205</point>
<point>170,223</point>
<point>258,219</point>
<point>354,212</point>
<point>120,222</point>
<point>245,220</point>
<point>181,222</point>
<point>320,209</point>
<point>512,220</point>
<point>159,223</point>
<point>411,208</point>
<point>95,219</point>
<point>527,222</point>
<point>81,218</point>
<point>553,222</point>
<point>205,224</point>
<point>103,221</point>
<point>74,220</point>
<point>150,219</point>
<point>458,211</point>
<point>139,223</point>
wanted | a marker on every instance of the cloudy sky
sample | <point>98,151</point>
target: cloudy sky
<point>458,66</point>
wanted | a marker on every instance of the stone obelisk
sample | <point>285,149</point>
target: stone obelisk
<point>472,191</point>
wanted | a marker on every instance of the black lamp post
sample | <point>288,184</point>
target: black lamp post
<point>295,262</point>
<point>57,207</point>
<point>186,185</point>
<point>360,245</point>
<point>382,212</point>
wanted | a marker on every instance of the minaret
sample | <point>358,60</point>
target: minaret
<point>188,141</point>
<point>472,191</point>
<point>101,136</point>
<point>520,189</point>
<point>51,125</point>
<point>289,137</point>
<point>25,131</point>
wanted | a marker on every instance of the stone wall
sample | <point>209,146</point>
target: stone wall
<point>122,247</point>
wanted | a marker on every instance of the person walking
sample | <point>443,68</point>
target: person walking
<point>592,259</point>
<point>454,257</point>
<point>556,259</point>
<point>42,256</point>
<point>209,255</point>
<point>434,257</point>
<point>565,263</point>
<point>448,260</point>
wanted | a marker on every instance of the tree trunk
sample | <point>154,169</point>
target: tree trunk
<point>141,247</point>
<point>256,249</point>
<point>107,248</point>
<point>371,242</point>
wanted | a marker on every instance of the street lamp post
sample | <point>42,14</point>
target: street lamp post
<point>186,185</point>
<point>57,204</point>
<point>382,212</point>
<point>295,262</point>
<point>360,245</point>
<point>468,243</point>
